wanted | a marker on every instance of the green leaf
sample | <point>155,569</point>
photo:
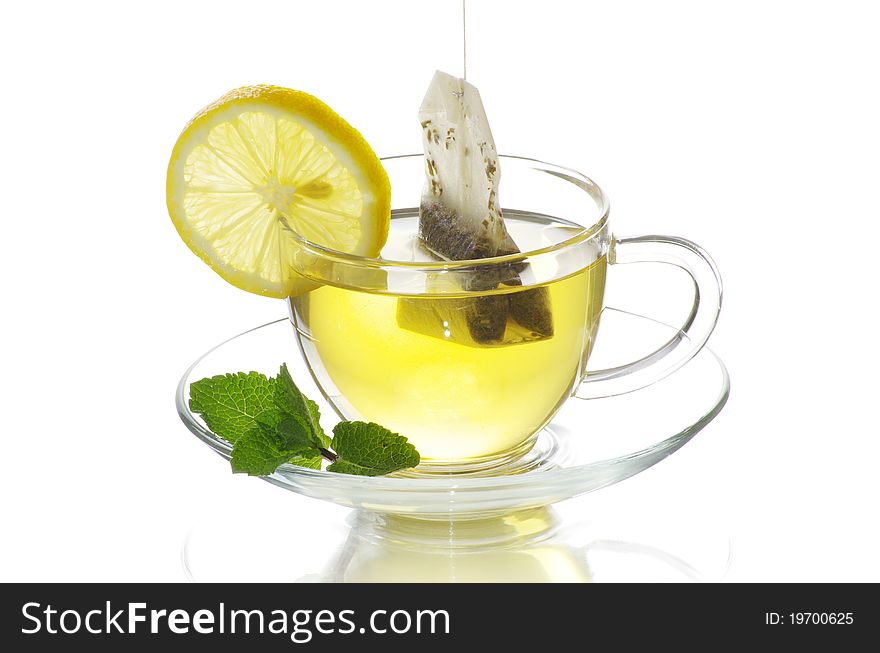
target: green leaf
<point>367,449</point>
<point>232,404</point>
<point>293,403</point>
<point>288,398</point>
<point>315,412</point>
<point>312,462</point>
<point>261,450</point>
<point>294,432</point>
<point>270,417</point>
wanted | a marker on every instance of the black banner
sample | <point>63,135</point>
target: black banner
<point>103,617</point>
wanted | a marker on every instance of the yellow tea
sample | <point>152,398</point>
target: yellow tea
<point>465,375</point>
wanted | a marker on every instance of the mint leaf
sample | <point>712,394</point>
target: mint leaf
<point>288,398</point>
<point>294,433</point>
<point>231,404</point>
<point>307,460</point>
<point>367,449</point>
<point>293,403</point>
<point>261,450</point>
<point>315,412</point>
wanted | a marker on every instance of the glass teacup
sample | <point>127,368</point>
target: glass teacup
<point>471,359</point>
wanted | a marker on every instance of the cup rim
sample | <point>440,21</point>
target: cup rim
<point>563,172</point>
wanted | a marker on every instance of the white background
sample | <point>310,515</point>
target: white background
<point>749,127</point>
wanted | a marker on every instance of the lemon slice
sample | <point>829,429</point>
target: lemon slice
<point>262,162</point>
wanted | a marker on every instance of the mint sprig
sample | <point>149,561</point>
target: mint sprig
<point>270,422</point>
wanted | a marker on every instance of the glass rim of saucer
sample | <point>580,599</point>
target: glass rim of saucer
<point>303,479</point>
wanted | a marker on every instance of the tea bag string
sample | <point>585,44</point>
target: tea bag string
<point>464,38</point>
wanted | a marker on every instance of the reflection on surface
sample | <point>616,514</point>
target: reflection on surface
<point>577,542</point>
<point>518,547</point>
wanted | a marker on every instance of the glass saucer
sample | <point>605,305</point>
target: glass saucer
<point>590,444</point>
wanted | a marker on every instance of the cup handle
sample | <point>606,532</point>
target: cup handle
<point>690,339</point>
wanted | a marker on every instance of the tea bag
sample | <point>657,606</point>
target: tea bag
<point>482,321</point>
<point>460,218</point>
